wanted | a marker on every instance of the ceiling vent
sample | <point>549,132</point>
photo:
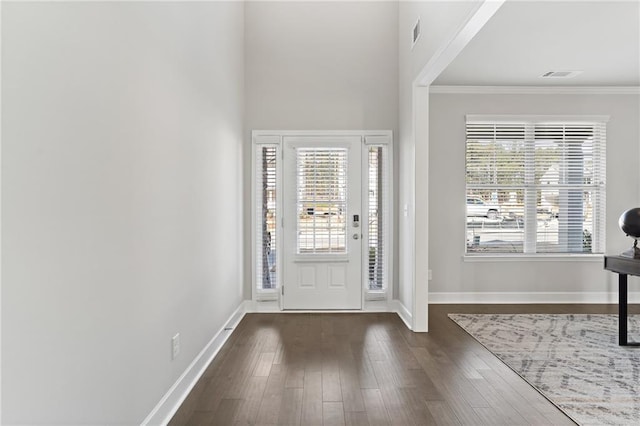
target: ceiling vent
<point>415,34</point>
<point>560,74</point>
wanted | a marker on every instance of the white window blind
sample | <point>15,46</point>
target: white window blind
<point>321,200</point>
<point>378,216</point>
<point>535,186</point>
<point>266,216</point>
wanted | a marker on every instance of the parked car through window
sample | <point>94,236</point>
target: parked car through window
<point>477,207</point>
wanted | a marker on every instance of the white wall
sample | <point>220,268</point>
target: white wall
<point>319,66</point>
<point>121,197</point>
<point>447,209</point>
<point>440,21</point>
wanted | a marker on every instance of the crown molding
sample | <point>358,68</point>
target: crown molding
<point>537,90</point>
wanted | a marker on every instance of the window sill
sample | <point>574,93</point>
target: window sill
<point>578,257</point>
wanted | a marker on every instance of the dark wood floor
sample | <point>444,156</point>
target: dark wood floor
<point>366,369</point>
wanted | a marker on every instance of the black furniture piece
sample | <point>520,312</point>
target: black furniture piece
<point>623,266</point>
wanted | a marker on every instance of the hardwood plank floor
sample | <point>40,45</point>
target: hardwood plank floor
<point>367,369</point>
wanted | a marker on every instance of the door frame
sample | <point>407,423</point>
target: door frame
<point>271,300</point>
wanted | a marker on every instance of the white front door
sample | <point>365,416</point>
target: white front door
<point>322,229</point>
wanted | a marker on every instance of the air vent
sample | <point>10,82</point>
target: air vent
<point>416,33</point>
<point>560,74</point>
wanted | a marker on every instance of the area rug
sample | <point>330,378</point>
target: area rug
<point>573,360</point>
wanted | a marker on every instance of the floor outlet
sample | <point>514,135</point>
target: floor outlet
<point>175,346</point>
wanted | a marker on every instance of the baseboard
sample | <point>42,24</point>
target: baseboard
<point>175,396</point>
<point>402,311</point>
<point>532,297</point>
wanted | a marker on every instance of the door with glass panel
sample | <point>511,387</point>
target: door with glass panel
<point>322,232</point>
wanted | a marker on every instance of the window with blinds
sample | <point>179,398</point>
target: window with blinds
<point>267,214</point>
<point>535,186</point>
<point>321,200</point>
<point>377,214</point>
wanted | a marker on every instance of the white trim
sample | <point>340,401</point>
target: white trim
<point>333,141</point>
<point>536,118</point>
<point>420,213</point>
<point>440,60</point>
<point>175,396</point>
<point>387,142</point>
<point>253,206</point>
<point>536,90</point>
<point>256,141</point>
<point>1,56</point>
<point>364,229</point>
<point>529,297</point>
<point>542,257</point>
<point>398,307</point>
<point>279,224</point>
<point>321,133</point>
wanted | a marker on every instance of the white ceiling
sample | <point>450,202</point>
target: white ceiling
<point>525,39</point>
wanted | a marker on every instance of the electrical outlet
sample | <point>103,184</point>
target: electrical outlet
<point>175,346</point>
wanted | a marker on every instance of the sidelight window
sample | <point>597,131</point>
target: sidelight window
<point>267,214</point>
<point>378,217</point>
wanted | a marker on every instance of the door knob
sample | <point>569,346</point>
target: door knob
<point>356,236</point>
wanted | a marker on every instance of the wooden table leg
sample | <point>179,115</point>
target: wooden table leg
<point>622,309</point>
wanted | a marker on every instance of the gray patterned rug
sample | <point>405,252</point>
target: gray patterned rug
<point>573,360</point>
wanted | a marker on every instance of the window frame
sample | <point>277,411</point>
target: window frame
<point>341,158</point>
<point>530,121</point>
<point>259,141</point>
<point>386,143</point>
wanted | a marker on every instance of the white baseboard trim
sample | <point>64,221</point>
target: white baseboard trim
<point>402,311</point>
<point>533,297</point>
<point>175,396</point>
